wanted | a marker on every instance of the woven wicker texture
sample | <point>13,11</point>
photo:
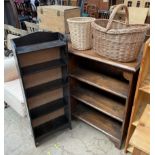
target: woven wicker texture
<point>80,32</point>
<point>117,40</point>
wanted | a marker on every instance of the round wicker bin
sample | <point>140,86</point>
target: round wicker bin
<point>80,32</point>
<point>117,40</point>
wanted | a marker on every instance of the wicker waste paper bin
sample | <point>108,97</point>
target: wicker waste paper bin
<point>117,40</point>
<point>80,32</point>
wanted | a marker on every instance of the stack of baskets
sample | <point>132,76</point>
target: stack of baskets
<point>114,39</point>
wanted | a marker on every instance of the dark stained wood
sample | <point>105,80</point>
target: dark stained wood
<point>50,127</point>
<point>47,108</point>
<point>36,90</point>
<point>102,122</point>
<point>42,59</point>
<point>30,48</point>
<point>101,81</point>
<point>37,57</point>
<point>42,66</point>
<point>100,102</point>
<point>42,77</point>
<point>45,118</point>
<point>90,54</point>
<point>44,98</point>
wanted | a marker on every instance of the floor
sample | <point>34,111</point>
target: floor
<point>81,140</point>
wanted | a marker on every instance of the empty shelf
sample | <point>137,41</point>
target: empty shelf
<point>102,81</point>
<point>45,118</point>
<point>42,66</point>
<point>40,46</point>
<point>145,87</point>
<point>47,108</point>
<point>102,103</point>
<point>104,123</point>
<point>51,126</point>
<point>30,92</point>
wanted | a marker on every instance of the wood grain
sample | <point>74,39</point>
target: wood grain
<point>90,54</point>
<point>48,117</point>
<point>100,102</point>
<point>101,81</point>
<point>103,123</point>
<point>42,77</point>
<point>37,57</point>
<point>44,98</point>
<point>141,136</point>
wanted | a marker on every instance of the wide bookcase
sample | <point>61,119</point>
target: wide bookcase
<point>42,60</point>
<point>102,92</point>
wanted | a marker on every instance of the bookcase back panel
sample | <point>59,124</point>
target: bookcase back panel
<point>48,117</point>
<point>42,77</point>
<point>39,57</point>
<point>45,98</point>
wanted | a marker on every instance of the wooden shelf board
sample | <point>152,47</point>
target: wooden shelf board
<point>90,54</point>
<point>102,81</point>
<point>145,86</point>
<point>47,108</point>
<point>102,103</point>
<point>42,66</point>
<point>143,102</point>
<point>45,118</point>
<point>141,136</point>
<point>39,46</point>
<point>36,90</point>
<point>130,148</point>
<point>50,127</point>
<point>104,123</point>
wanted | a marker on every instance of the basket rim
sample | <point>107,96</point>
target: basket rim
<point>71,20</point>
<point>131,28</point>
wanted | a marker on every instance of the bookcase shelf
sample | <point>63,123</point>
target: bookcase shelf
<point>101,103</point>
<point>100,121</point>
<point>43,71</point>
<point>142,95</point>
<point>102,92</point>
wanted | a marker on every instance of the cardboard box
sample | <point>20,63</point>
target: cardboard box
<point>54,17</point>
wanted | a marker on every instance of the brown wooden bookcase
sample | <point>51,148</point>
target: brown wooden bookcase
<point>102,92</point>
<point>42,61</point>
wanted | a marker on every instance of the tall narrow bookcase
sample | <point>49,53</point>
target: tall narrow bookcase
<point>102,92</point>
<point>42,60</point>
<point>142,95</point>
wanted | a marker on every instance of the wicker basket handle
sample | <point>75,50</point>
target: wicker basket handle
<point>118,7</point>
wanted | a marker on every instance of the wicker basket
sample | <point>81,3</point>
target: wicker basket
<point>117,40</point>
<point>80,32</point>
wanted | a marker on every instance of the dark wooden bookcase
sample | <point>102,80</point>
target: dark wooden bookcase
<point>102,92</point>
<point>42,60</point>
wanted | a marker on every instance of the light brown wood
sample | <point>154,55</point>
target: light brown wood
<point>141,98</point>
<point>100,102</point>
<point>145,86</point>
<point>144,99</point>
<point>141,136</point>
<point>42,77</point>
<point>90,54</point>
<point>101,81</point>
<point>101,122</point>
<point>44,98</point>
<point>135,17</point>
<point>39,57</point>
<point>130,148</point>
<point>31,27</point>
<point>138,152</point>
<point>54,17</point>
<point>43,119</point>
